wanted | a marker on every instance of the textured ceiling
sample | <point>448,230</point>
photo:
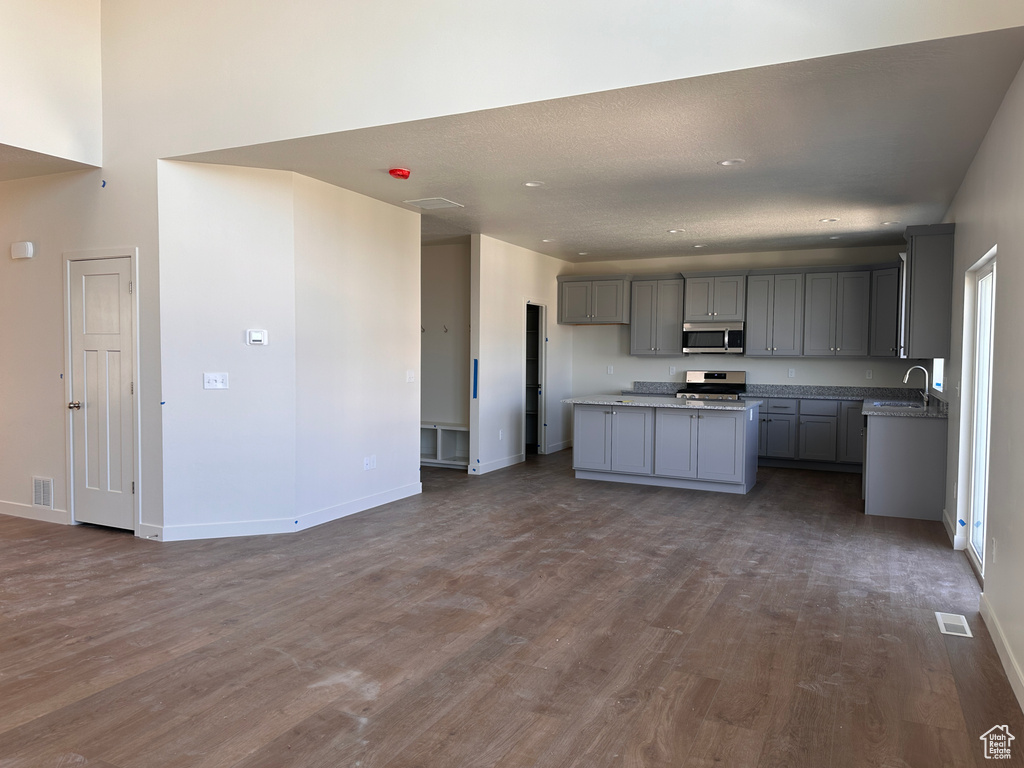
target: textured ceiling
<point>17,163</point>
<point>868,137</point>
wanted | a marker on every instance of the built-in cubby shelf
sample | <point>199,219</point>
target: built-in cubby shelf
<point>444,445</point>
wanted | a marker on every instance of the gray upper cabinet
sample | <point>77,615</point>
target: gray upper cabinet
<point>836,314</point>
<point>583,301</point>
<point>927,292</point>
<point>885,311</point>
<point>656,317</point>
<point>715,298</point>
<point>774,324</point>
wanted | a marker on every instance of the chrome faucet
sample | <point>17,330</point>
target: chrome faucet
<point>927,381</point>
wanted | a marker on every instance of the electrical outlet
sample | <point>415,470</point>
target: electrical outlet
<point>671,370</point>
<point>792,372</point>
<point>501,434</point>
<point>366,463</point>
<point>868,374</point>
<point>410,376</point>
<point>611,369</point>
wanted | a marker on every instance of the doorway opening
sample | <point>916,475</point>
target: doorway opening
<point>978,348</point>
<point>533,403</point>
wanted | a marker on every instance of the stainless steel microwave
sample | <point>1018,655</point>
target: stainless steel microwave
<point>713,338</point>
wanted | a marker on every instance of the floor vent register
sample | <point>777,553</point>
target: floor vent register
<point>953,624</point>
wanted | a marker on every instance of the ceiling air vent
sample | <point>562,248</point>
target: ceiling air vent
<point>433,203</point>
<point>953,624</point>
<point>42,492</point>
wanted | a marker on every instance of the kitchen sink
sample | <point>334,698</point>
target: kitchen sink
<point>898,405</point>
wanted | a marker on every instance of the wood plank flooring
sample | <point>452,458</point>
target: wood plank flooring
<point>519,619</point>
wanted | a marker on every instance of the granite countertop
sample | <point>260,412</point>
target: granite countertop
<point>797,391</point>
<point>661,401</point>
<point>937,409</point>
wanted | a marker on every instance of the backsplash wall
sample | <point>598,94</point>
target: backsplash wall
<point>599,346</point>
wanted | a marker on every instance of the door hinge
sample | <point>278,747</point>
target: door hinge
<point>133,486</point>
<point>130,286</point>
<point>132,384</point>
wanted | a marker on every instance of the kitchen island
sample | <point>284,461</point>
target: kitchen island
<point>658,440</point>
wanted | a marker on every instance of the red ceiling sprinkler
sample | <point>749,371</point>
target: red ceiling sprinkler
<point>399,173</point>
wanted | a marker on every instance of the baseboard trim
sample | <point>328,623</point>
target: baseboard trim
<point>491,466</point>
<point>1010,665</point>
<point>556,447</point>
<point>956,537</point>
<point>275,525</point>
<point>30,512</point>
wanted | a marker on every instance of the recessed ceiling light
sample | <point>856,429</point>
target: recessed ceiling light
<point>835,237</point>
<point>732,161</point>
<point>583,253</point>
<point>675,231</point>
<point>827,221</point>
<point>889,223</point>
<point>700,246</point>
<point>548,240</point>
<point>533,183</point>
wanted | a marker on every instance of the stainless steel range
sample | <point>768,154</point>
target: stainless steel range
<point>714,385</point>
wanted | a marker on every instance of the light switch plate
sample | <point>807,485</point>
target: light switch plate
<point>215,381</point>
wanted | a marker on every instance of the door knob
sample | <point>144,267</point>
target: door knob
<point>74,406</point>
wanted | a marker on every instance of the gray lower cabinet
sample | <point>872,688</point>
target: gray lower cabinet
<point>633,440</point>
<point>905,467</point>
<point>836,314</point>
<point>774,324</point>
<point>885,312</point>
<point>818,430</point>
<point>592,437</point>
<point>656,318</point>
<point>700,445</point>
<point>613,439</point>
<point>850,448</point>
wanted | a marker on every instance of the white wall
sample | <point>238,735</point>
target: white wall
<point>987,213</point>
<point>597,347</point>
<point>504,278</point>
<point>357,275</point>
<point>228,264</point>
<point>444,292</point>
<point>50,83</point>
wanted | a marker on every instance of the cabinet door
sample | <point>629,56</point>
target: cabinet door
<point>885,297</point>
<point>633,440</point>
<point>852,292</point>
<point>788,315</point>
<point>675,443</point>
<point>607,302</point>
<point>700,298</point>
<point>592,437</point>
<point>817,438</point>
<point>669,336</point>
<point>820,314</point>
<point>762,437</point>
<point>757,337</point>
<point>720,443</point>
<point>575,302</point>
<point>728,301</point>
<point>930,285</point>
<point>780,436</point>
<point>643,317</point>
<point>851,433</point>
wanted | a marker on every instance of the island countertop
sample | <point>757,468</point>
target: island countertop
<point>655,401</point>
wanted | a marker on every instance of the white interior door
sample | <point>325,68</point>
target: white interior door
<point>102,448</point>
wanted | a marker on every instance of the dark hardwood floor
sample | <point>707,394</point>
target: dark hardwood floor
<point>518,619</point>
